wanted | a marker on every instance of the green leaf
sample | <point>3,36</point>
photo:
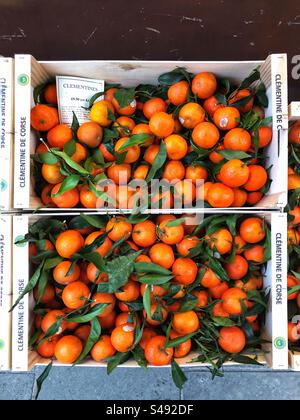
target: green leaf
<point>242,101</point>
<point>261,96</point>
<point>110,134</point>
<point>253,77</point>
<point>268,245</point>
<point>38,93</point>
<point>178,375</point>
<point>95,221</point>
<point>135,140</point>
<point>147,301</point>
<point>175,223</point>
<point>116,360</point>
<point>179,340</point>
<point>68,184</point>
<point>144,267</point>
<point>43,281</point>
<point>231,222</point>
<point>293,290</point>
<point>223,322</point>
<point>139,357</point>
<point>41,379</point>
<point>70,162</point>
<point>138,333</point>
<point>221,98</point>
<point>138,218</point>
<point>155,279</point>
<point>91,341</point>
<point>75,125</point>
<point>52,263</point>
<point>30,285</point>
<point>245,360</point>
<point>124,97</point>
<point>189,303</point>
<point>34,338</point>
<point>174,76</point>
<point>96,259</point>
<point>119,270</point>
<point>93,313</point>
<point>94,98</point>
<point>70,147</point>
<point>159,161</point>
<point>53,330</point>
<point>48,158</point>
<point>98,158</point>
<point>218,269</point>
<point>234,154</point>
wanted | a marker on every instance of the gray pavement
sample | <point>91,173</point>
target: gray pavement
<point>135,384</point>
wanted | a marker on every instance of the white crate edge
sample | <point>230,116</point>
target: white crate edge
<point>5,291</point>
<point>294,115</point>
<point>24,360</point>
<point>20,317</point>
<point>6,129</point>
<point>274,73</point>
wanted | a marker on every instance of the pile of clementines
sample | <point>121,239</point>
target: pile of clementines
<point>293,277</point>
<point>155,288</point>
<point>188,128</point>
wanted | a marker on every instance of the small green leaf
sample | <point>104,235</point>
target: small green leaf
<point>218,269</point>
<point>48,158</point>
<point>43,281</point>
<point>70,162</point>
<point>94,98</point>
<point>234,154</point>
<point>95,221</point>
<point>124,97</point>
<point>116,360</point>
<point>245,360</point>
<point>223,322</point>
<point>139,357</point>
<point>178,375</point>
<point>68,184</point>
<point>119,270</point>
<point>179,340</point>
<point>35,337</point>
<point>70,147</point>
<point>144,267</point>
<point>159,161</point>
<point>94,312</point>
<point>30,286</point>
<point>38,93</point>
<point>94,336</point>
<point>53,330</point>
<point>135,140</point>
<point>147,301</point>
<point>75,125</point>
<point>52,263</point>
<point>175,223</point>
<point>96,259</point>
<point>41,379</point>
<point>155,279</point>
<point>172,77</point>
<point>253,77</point>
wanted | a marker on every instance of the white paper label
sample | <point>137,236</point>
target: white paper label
<point>73,95</point>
